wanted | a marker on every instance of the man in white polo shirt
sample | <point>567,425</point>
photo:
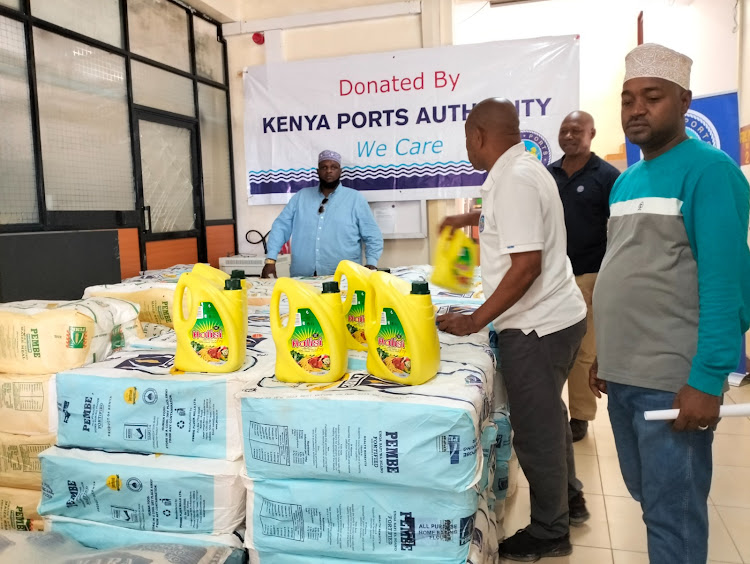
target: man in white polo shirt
<point>539,315</point>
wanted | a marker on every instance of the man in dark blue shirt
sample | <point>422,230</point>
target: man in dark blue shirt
<point>584,181</point>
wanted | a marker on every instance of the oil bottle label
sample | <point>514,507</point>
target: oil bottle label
<point>355,318</point>
<point>208,336</point>
<point>392,343</point>
<point>308,345</point>
<point>462,268</point>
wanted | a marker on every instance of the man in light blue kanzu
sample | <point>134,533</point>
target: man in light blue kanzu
<point>328,223</point>
<point>670,303</point>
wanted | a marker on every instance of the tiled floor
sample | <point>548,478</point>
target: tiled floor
<point>615,534</point>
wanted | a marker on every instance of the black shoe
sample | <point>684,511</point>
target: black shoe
<point>523,547</point>
<point>579,428</point>
<point>577,511</point>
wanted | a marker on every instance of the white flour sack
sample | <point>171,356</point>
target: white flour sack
<point>27,404</point>
<point>365,429</point>
<point>55,548</point>
<point>99,535</point>
<point>484,542</point>
<point>154,298</point>
<point>117,406</point>
<point>18,510</point>
<point>19,461</point>
<point>41,337</point>
<point>174,494</point>
<point>314,518</point>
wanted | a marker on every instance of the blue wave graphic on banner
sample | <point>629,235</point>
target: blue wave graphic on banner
<point>377,177</point>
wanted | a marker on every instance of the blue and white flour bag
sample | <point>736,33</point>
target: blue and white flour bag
<point>101,536</point>
<point>500,483</point>
<point>484,542</point>
<point>132,403</point>
<point>349,520</point>
<point>365,429</point>
<point>56,548</point>
<point>488,441</point>
<point>144,492</point>
<point>504,443</point>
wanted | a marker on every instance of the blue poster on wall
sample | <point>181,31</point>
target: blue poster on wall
<point>714,119</point>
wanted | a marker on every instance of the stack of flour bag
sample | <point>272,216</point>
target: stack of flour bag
<point>145,454</point>
<point>38,339</point>
<point>366,470</point>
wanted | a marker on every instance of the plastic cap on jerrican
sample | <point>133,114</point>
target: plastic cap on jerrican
<point>420,288</point>
<point>330,287</point>
<point>233,284</point>
<point>238,274</point>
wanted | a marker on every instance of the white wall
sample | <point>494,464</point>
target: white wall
<point>703,30</point>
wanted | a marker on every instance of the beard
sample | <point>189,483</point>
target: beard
<point>329,185</point>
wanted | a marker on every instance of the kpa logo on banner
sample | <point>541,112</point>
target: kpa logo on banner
<point>536,144</point>
<point>698,126</point>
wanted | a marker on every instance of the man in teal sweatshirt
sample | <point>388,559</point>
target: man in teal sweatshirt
<point>670,303</point>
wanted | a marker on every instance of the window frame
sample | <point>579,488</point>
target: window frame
<point>89,220</point>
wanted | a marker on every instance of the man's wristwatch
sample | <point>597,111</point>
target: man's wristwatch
<point>270,261</point>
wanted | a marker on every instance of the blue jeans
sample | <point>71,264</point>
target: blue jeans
<point>668,472</point>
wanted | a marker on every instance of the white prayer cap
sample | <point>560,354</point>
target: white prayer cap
<point>656,61</point>
<point>329,156</point>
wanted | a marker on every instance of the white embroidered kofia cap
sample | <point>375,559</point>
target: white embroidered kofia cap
<point>329,156</point>
<point>656,61</point>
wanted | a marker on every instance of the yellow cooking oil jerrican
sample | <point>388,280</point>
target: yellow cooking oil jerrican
<point>358,287</point>
<point>455,261</point>
<point>311,347</point>
<point>402,336</point>
<point>211,336</point>
<point>210,273</point>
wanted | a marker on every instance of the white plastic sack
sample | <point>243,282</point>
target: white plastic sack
<point>27,404</point>
<point>19,462</point>
<point>115,406</point>
<point>143,492</point>
<point>18,510</point>
<point>154,298</point>
<point>98,535</point>
<point>315,518</point>
<point>55,548</point>
<point>484,542</point>
<point>42,337</point>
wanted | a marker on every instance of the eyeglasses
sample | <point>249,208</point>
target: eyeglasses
<point>322,207</point>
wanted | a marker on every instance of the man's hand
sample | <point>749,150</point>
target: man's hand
<point>268,271</point>
<point>457,324</point>
<point>454,222</point>
<point>698,410</point>
<point>597,386</point>
<point>371,267</point>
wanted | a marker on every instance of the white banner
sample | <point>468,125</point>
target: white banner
<point>398,118</point>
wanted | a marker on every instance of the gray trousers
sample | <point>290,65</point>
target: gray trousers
<point>535,369</point>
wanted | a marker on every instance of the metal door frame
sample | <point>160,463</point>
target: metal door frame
<point>199,231</point>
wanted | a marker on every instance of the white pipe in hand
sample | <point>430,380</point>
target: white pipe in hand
<point>738,410</point>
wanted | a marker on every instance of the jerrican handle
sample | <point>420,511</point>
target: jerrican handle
<point>737,410</point>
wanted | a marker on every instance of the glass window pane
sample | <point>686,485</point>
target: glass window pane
<point>166,166</point>
<point>83,117</point>
<point>164,90</point>
<point>209,52</point>
<point>100,19</point>
<point>159,30</point>
<point>217,184</point>
<point>12,3</point>
<point>18,202</point>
